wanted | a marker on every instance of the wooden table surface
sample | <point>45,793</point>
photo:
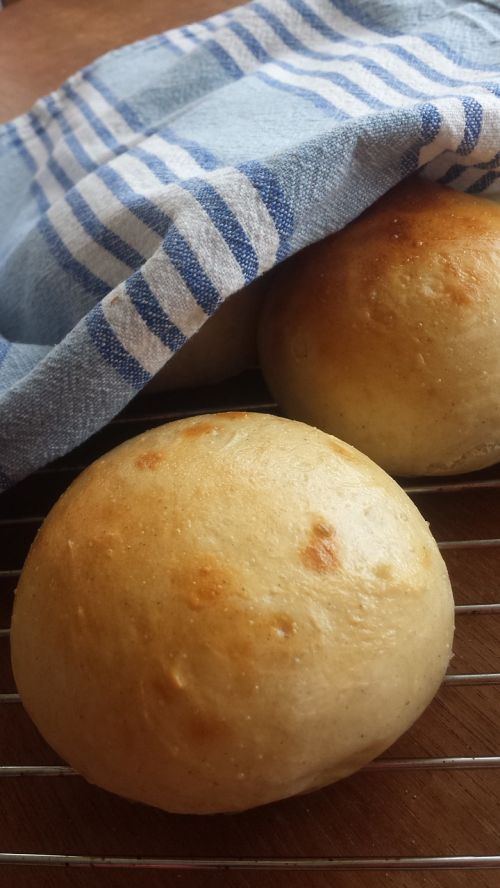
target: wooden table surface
<point>403,810</point>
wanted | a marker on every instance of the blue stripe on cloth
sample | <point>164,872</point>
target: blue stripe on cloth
<point>454,56</point>
<point>154,163</point>
<point>187,32</point>
<point>59,174</point>
<point>199,153</point>
<point>134,201</point>
<point>297,46</point>
<point>386,76</point>
<point>129,115</point>
<point>458,168</point>
<point>374,67</point>
<point>473,123</point>
<point>452,173</point>
<point>18,144</point>
<point>40,131</point>
<point>431,122</point>
<point>348,85</point>
<point>216,208</point>
<point>225,60</point>
<point>100,233</point>
<point>72,142</point>
<point>175,245</point>
<point>279,27</point>
<point>489,164</point>
<point>275,200</point>
<point>251,42</point>
<point>359,15</point>
<point>291,40</point>
<point>55,168</point>
<point>227,224</point>
<point>66,260</point>
<point>315,21</point>
<point>190,270</point>
<point>105,134</point>
<point>300,92</point>
<point>164,40</point>
<point>109,346</point>
<point>39,197</point>
<point>422,67</point>
<point>209,25</point>
<point>337,78</point>
<point>147,306</point>
<point>405,89</point>
<point>484,182</point>
<point>36,189</point>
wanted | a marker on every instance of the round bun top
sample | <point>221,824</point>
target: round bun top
<point>387,334</point>
<point>228,610</point>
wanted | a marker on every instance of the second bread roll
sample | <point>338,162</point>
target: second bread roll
<point>388,333</point>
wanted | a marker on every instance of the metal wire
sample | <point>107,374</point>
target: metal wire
<point>485,861</point>
<point>458,763</point>
<point>469,544</point>
<point>452,486</point>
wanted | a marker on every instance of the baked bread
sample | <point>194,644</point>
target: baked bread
<point>225,345</point>
<point>228,610</point>
<point>387,334</point>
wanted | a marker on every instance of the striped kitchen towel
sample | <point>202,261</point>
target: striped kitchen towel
<point>170,173</point>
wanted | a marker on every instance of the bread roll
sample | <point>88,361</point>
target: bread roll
<point>225,345</point>
<point>228,610</point>
<point>387,334</point>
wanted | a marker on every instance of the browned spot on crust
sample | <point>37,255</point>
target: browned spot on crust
<point>459,294</point>
<point>235,414</point>
<point>150,460</point>
<point>206,585</point>
<point>344,452</point>
<point>320,554</point>
<point>167,684</point>
<point>426,557</point>
<point>204,728</point>
<point>383,571</point>
<point>241,648</point>
<point>199,429</point>
<point>162,690</point>
<point>284,627</point>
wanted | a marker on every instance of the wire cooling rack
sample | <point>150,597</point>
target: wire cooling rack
<point>451,757</point>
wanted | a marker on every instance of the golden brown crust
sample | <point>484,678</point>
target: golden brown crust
<point>387,334</point>
<point>211,622</point>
